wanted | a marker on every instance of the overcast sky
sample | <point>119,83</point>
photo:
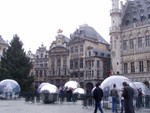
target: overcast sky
<point>37,21</point>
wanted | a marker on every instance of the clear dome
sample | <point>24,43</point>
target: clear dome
<point>107,84</point>
<point>9,89</point>
<point>72,85</point>
<point>144,88</point>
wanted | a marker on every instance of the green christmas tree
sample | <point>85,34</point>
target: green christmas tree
<point>16,65</point>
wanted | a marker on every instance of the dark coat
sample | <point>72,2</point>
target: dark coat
<point>97,94</point>
<point>128,94</point>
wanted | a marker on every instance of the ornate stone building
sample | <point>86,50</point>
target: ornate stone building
<point>89,57</point>
<point>59,60</point>
<point>130,39</point>
<point>3,46</point>
<point>40,65</point>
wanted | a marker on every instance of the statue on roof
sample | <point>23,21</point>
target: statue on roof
<point>59,31</point>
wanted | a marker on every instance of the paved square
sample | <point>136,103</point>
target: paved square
<point>20,106</point>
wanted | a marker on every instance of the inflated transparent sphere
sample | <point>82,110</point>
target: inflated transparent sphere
<point>9,89</point>
<point>143,87</point>
<point>108,83</point>
<point>72,85</point>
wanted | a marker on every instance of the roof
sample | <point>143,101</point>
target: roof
<point>136,11</point>
<point>1,40</point>
<point>86,31</point>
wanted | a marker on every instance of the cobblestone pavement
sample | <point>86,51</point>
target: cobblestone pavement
<point>20,106</point>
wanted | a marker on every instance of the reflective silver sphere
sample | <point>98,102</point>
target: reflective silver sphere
<point>72,85</point>
<point>79,91</point>
<point>48,93</point>
<point>144,88</point>
<point>41,85</point>
<point>9,89</point>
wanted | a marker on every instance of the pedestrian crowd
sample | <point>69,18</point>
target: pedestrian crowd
<point>121,100</point>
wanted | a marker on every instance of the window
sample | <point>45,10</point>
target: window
<point>45,73</point>
<point>147,40</point>
<point>92,74</point>
<point>127,22</point>
<point>76,49</point>
<point>98,63</point>
<point>58,61</point>
<point>148,65</point>
<point>92,63</point>
<point>124,45</point>
<point>81,48</point>
<point>139,42</point>
<point>98,73</point>
<point>134,20</point>
<point>45,64</point>
<point>102,54</point>
<point>89,53</point>
<point>132,67</point>
<point>41,72</point>
<point>72,50</point>
<point>53,62</point>
<point>81,63</point>
<point>76,63</point>
<point>131,44</point>
<point>71,64</point>
<point>96,53</point>
<point>125,68</point>
<point>41,65</point>
<point>89,64</point>
<point>36,73</point>
<point>141,67</point>
<point>143,18</point>
<point>64,61</point>
<point>41,55</point>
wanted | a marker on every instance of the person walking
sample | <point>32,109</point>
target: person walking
<point>128,94</point>
<point>115,98</point>
<point>122,101</point>
<point>97,95</point>
<point>139,98</point>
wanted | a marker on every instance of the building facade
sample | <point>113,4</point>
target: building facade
<point>130,39</point>
<point>40,63</point>
<point>89,57</point>
<point>3,46</point>
<point>59,60</point>
<point>84,57</point>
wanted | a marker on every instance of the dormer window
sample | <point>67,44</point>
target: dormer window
<point>141,11</point>
<point>102,54</point>
<point>134,20</point>
<point>139,6</point>
<point>127,22</point>
<point>148,16</point>
<point>143,18</point>
<point>134,13</point>
<point>89,53</point>
<point>96,53</point>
